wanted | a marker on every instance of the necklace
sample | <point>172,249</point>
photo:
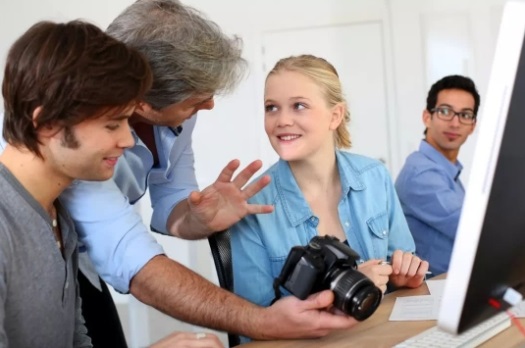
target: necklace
<point>54,227</point>
<point>56,232</point>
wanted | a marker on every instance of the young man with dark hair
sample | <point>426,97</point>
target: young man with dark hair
<point>428,186</point>
<point>69,90</point>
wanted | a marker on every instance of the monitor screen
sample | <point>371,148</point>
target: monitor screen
<point>489,251</point>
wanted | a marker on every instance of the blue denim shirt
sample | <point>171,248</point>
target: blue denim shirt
<point>431,195</point>
<point>369,212</point>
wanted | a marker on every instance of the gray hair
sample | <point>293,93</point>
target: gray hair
<point>188,53</point>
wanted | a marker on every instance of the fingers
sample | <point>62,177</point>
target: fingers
<point>244,176</point>
<point>189,340</point>
<point>259,208</point>
<point>408,258</point>
<point>397,260</point>
<point>413,267</point>
<point>332,322</point>
<point>422,269</point>
<point>336,311</point>
<point>226,173</point>
<point>206,340</point>
<point>405,263</point>
<point>195,198</point>
<point>313,317</point>
<point>319,300</point>
<point>377,271</point>
<point>375,267</point>
<point>409,269</point>
<point>256,186</point>
<point>329,319</point>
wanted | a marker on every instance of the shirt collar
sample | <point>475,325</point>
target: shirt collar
<point>295,206</point>
<point>350,177</point>
<point>453,169</point>
<point>176,130</point>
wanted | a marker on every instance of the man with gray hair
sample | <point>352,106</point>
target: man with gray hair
<point>192,60</point>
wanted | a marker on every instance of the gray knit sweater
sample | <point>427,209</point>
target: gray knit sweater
<point>39,301</point>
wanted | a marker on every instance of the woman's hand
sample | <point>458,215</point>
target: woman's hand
<point>408,270</point>
<point>377,271</point>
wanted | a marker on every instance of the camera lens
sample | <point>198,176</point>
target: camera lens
<point>366,301</point>
<point>355,294</point>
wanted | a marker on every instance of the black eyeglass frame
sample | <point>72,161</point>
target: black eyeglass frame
<point>462,120</point>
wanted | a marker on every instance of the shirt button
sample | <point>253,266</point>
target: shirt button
<point>384,232</point>
<point>347,224</point>
<point>67,285</point>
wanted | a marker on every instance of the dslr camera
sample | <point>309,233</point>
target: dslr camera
<point>327,263</point>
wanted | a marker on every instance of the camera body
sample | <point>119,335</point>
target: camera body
<point>327,263</point>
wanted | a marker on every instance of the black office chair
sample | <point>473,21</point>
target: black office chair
<point>222,257</point>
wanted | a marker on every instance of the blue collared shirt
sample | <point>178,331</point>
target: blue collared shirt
<point>118,242</point>
<point>369,212</point>
<point>431,195</point>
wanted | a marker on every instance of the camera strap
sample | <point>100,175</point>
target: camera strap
<point>276,288</point>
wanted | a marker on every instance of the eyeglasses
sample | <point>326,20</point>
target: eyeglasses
<point>447,114</point>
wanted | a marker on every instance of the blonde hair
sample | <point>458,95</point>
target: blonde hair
<point>325,76</point>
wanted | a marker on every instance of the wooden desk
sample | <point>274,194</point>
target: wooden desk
<point>377,331</point>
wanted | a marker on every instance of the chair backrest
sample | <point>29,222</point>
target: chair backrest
<point>222,257</point>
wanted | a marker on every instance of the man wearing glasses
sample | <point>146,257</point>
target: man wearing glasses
<point>428,186</point>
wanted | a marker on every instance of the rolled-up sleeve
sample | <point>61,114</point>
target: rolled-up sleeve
<point>117,241</point>
<point>167,189</point>
<point>400,237</point>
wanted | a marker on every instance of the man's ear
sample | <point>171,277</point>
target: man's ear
<point>427,118</point>
<point>338,114</point>
<point>473,128</point>
<point>36,114</point>
<point>143,107</point>
<point>48,130</point>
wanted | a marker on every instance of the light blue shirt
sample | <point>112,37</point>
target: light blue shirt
<point>110,229</point>
<point>431,195</point>
<point>369,212</point>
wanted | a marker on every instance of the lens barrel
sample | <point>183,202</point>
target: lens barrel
<point>355,294</point>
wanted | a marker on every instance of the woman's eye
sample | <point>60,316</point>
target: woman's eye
<point>299,106</point>
<point>270,107</point>
<point>112,127</point>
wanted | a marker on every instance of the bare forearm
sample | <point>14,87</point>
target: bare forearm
<point>177,291</point>
<point>181,223</point>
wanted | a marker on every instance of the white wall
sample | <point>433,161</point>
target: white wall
<point>422,41</point>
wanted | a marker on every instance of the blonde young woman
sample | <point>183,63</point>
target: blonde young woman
<point>317,189</point>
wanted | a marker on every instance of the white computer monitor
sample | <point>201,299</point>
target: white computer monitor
<point>489,252</point>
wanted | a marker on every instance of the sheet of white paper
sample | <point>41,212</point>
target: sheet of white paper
<point>436,287</point>
<point>413,308</point>
<point>519,310</point>
<point>426,307</point>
